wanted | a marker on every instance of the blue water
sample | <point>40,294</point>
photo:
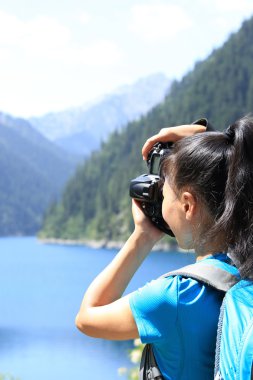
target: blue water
<point>41,290</point>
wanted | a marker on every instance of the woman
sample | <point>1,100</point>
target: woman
<point>208,197</point>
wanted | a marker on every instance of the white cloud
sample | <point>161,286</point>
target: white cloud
<point>10,28</point>
<point>241,6</point>
<point>158,22</point>
<point>47,39</point>
<point>41,31</point>
<point>99,53</point>
<point>5,56</point>
<point>84,17</point>
<point>45,32</point>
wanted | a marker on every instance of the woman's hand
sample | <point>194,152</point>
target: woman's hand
<point>172,134</point>
<point>143,225</point>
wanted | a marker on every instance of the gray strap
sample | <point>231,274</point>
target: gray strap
<point>217,374</point>
<point>213,276</point>
<point>148,366</point>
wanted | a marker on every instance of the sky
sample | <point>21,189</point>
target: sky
<point>55,55</point>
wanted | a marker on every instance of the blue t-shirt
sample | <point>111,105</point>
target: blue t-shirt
<point>179,317</point>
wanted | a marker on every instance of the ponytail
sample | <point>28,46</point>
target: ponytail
<point>237,218</point>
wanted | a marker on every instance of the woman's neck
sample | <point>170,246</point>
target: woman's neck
<point>201,257</point>
<point>203,252</point>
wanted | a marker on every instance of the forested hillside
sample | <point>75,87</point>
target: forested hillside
<point>95,203</point>
<point>33,172</point>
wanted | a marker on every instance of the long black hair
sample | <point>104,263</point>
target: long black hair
<point>218,167</point>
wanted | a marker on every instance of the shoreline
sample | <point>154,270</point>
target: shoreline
<point>105,244</point>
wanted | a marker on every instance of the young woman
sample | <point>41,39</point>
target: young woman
<point>208,198</point>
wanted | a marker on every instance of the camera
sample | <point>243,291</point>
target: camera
<point>147,188</point>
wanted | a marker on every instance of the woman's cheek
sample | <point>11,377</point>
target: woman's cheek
<point>167,213</point>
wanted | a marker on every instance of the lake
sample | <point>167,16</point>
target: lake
<point>41,290</point>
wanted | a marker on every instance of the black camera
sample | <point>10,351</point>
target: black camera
<point>147,188</point>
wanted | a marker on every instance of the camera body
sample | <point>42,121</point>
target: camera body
<point>147,188</point>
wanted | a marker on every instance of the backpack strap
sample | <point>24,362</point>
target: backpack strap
<point>148,368</point>
<point>212,275</point>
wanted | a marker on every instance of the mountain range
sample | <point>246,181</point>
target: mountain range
<point>81,130</point>
<point>33,173</point>
<point>96,203</point>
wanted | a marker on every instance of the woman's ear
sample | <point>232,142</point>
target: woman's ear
<point>189,205</point>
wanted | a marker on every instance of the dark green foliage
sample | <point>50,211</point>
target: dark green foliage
<point>96,202</point>
<point>32,174</point>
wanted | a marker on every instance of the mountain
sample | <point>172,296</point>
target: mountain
<point>81,130</point>
<point>95,203</point>
<point>33,172</point>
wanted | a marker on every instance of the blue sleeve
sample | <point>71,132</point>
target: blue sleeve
<point>154,308</point>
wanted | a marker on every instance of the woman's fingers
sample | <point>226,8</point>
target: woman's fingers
<point>171,134</point>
